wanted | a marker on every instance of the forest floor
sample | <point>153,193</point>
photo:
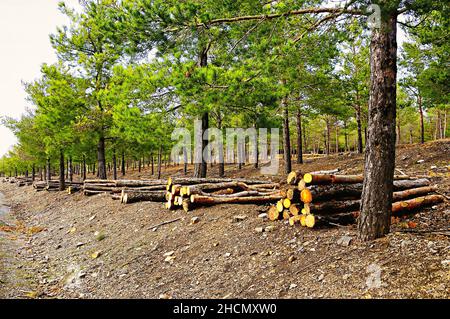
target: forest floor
<point>55,245</point>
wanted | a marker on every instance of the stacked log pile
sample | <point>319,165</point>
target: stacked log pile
<point>53,185</point>
<point>20,181</point>
<point>188,193</point>
<point>337,198</point>
<point>128,191</point>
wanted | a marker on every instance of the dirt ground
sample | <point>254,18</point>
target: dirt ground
<point>55,245</point>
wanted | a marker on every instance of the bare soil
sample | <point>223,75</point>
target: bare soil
<point>55,245</point>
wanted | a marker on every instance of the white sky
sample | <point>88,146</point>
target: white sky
<point>25,26</point>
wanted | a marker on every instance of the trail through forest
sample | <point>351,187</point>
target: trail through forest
<point>73,246</point>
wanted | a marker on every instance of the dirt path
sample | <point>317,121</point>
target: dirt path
<point>15,279</point>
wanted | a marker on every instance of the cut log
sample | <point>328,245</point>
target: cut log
<point>294,177</point>
<point>273,213</point>
<point>306,196</point>
<point>310,221</point>
<point>279,206</point>
<point>209,200</point>
<point>416,203</point>
<point>293,194</point>
<point>301,185</point>
<point>187,205</point>
<point>336,191</point>
<point>286,215</point>
<point>151,196</point>
<point>286,203</point>
<point>325,172</point>
<point>413,192</point>
<point>320,179</point>
<point>294,210</point>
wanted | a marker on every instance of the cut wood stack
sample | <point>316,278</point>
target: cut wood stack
<point>53,185</point>
<point>128,191</point>
<point>188,193</point>
<point>337,198</point>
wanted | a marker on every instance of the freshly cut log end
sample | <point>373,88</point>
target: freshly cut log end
<point>301,185</point>
<point>306,196</point>
<point>307,208</point>
<point>303,220</point>
<point>294,210</point>
<point>286,203</point>
<point>273,213</point>
<point>293,178</point>
<point>310,221</point>
<point>280,206</point>
<point>307,178</point>
<point>286,215</point>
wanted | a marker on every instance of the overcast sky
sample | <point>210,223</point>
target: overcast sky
<point>25,26</point>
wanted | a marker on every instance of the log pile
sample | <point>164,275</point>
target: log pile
<point>20,181</point>
<point>188,193</point>
<point>53,185</point>
<point>315,196</point>
<point>128,191</point>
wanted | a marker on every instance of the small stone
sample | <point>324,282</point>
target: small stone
<point>165,296</point>
<point>346,276</point>
<point>227,254</point>
<point>263,216</point>
<point>169,259</point>
<point>79,244</point>
<point>433,167</point>
<point>92,218</point>
<point>169,253</point>
<point>445,263</point>
<point>420,161</point>
<point>292,258</point>
<point>216,244</point>
<point>320,278</point>
<point>239,218</point>
<point>269,228</point>
<point>292,286</point>
<point>344,240</point>
<point>259,229</point>
<point>195,220</point>
<point>434,207</point>
<point>58,246</point>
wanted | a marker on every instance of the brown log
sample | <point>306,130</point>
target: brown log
<point>336,191</point>
<point>187,205</point>
<point>150,196</point>
<point>210,200</point>
<point>193,181</point>
<point>286,214</point>
<point>211,187</point>
<point>320,179</point>
<point>416,203</point>
<point>413,192</point>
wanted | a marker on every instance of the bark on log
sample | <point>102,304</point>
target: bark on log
<point>134,197</point>
<point>208,200</point>
<point>416,203</point>
<point>319,179</point>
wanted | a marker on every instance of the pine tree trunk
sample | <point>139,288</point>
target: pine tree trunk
<point>376,200</point>
<point>101,158</point>
<point>358,122</point>
<point>328,137</point>
<point>70,169</point>
<point>201,168</point>
<point>48,170</point>
<point>114,160</point>
<point>159,162</point>
<point>286,137</point>
<point>84,168</point>
<point>299,137</point>
<point>62,178</point>
<point>33,172</point>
